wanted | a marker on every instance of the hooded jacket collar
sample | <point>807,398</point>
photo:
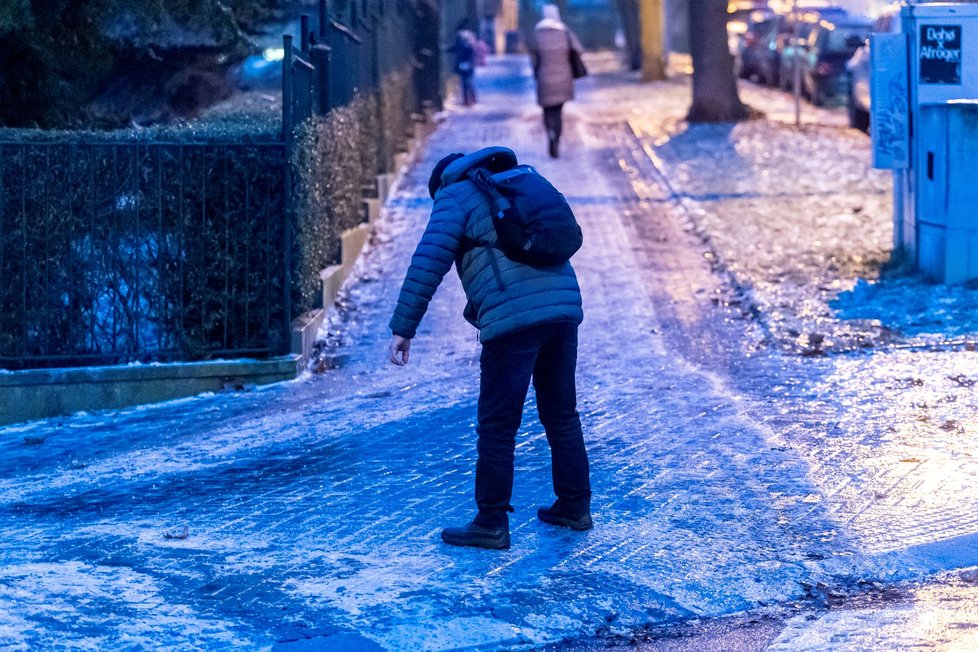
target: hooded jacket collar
<point>551,18</point>
<point>549,23</point>
<point>504,157</point>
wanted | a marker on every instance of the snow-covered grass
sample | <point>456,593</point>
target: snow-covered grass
<point>799,218</point>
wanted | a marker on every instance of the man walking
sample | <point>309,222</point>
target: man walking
<point>527,318</point>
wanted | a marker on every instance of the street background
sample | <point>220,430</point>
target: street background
<point>777,426</point>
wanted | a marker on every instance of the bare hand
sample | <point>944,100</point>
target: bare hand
<point>399,350</point>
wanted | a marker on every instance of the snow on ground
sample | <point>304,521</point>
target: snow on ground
<point>801,225</point>
<point>722,482</point>
<point>798,217</point>
<point>933,616</point>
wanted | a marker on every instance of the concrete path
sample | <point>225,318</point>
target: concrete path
<point>305,516</point>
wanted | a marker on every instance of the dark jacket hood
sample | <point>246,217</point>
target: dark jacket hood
<point>495,159</point>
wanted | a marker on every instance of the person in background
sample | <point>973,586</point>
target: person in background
<point>464,50</point>
<point>550,53</point>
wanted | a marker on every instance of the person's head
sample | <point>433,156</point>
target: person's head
<point>434,181</point>
<point>551,12</point>
<point>464,26</point>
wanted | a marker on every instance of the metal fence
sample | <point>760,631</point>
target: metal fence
<point>354,50</point>
<point>113,252</point>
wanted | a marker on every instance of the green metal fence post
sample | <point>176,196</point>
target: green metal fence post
<point>288,138</point>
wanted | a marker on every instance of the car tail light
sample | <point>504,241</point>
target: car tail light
<point>823,69</point>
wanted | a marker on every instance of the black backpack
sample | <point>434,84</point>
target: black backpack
<point>534,224</point>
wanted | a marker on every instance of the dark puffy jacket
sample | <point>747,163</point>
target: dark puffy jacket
<point>464,51</point>
<point>517,297</point>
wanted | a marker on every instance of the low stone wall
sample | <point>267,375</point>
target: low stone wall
<point>41,393</point>
<point>353,241</point>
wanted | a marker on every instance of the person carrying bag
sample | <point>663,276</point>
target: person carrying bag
<point>555,52</point>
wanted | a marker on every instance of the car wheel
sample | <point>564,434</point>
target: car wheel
<point>784,80</point>
<point>815,92</point>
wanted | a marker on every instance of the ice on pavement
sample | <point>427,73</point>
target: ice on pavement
<point>729,473</point>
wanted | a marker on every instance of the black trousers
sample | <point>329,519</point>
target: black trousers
<point>553,122</point>
<point>547,355</point>
<point>466,81</point>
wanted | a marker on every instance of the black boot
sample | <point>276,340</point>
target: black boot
<point>554,515</point>
<point>553,142</point>
<point>476,536</point>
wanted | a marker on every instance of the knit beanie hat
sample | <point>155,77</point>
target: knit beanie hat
<point>434,182</point>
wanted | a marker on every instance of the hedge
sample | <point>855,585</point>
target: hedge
<point>167,243</point>
<point>336,158</point>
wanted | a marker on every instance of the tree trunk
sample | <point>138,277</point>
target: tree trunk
<point>628,10</point>
<point>715,96</point>
<point>651,18</point>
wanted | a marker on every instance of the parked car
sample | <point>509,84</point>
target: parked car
<point>858,69</point>
<point>758,57</point>
<point>793,38</point>
<point>829,47</point>
<point>740,14</point>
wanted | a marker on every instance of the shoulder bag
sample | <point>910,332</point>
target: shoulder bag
<point>578,69</point>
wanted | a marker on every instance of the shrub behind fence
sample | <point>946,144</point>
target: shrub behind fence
<point>114,252</point>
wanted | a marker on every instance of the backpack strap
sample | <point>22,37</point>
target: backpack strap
<point>483,181</point>
<point>480,177</point>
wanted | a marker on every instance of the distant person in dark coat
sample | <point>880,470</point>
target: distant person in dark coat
<point>464,50</point>
<point>550,54</point>
<point>527,319</point>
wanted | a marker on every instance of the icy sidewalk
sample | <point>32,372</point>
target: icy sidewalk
<point>802,222</point>
<point>313,508</point>
<point>800,225</point>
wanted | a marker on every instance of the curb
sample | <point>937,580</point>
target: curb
<point>42,393</point>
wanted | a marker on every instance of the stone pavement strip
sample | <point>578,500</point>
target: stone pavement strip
<point>306,515</point>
